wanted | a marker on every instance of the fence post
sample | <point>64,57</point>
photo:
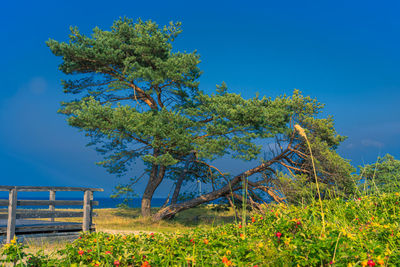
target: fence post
<point>87,210</point>
<point>52,197</point>
<point>12,214</point>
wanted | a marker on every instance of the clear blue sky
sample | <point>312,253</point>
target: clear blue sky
<point>344,53</point>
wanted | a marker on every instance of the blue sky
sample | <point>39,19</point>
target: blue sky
<point>344,53</point>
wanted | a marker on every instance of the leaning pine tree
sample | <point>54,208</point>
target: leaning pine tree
<point>136,98</point>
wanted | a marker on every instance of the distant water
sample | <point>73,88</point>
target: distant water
<point>104,202</point>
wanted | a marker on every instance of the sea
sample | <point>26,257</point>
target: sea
<point>104,202</point>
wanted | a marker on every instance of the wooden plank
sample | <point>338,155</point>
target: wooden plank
<point>4,202</point>
<point>52,197</point>
<point>11,216</point>
<point>48,188</point>
<point>45,227</point>
<point>44,214</point>
<point>87,210</point>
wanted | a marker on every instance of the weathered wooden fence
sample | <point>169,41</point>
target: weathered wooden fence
<point>15,218</point>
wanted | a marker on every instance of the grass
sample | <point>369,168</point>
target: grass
<point>130,221</point>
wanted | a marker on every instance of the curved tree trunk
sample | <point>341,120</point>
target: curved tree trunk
<point>156,177</point>
<point>171,210</point>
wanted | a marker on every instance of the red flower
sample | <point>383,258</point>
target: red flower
<point>240,226</point>
<point>261,218</point>
<point>192,240</point>
<point>80,252</point>
<point>298,222</point>
<point>116,263</point>
<point>108,252</point>
<point>145,264</point>
<point>371,263</point>
<point>278,235</point>
<point>89,250</point>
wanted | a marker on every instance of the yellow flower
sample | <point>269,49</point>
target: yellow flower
<point>397,193</point>
<point>228,252</point>
<point>260,245</point>
<point>364,263</point>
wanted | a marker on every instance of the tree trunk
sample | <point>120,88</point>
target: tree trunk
<point>171,210</point>
<point>180,180</point>
<point>156,177</point>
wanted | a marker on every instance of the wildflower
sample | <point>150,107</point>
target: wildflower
<point>192,240</point>
<point>80,252</point>
<point>371,263</point>
<point>260,245</point>
<point>298,222</point>
<point>228,252</point>
<point>116,263</point>
<point>380,261</point>
<point>89,250</point>
<point>206,241</point>
<point>253,219</point>
<point>226,262</point>
<point>108,252</point>
<point>278,235</point>
<point>145,264</point>
<point>240,226</point>
<point>364,263</point>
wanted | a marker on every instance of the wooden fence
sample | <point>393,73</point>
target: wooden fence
<point>15,218</point>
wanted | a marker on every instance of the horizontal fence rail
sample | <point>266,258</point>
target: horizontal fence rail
<point>12,213</point>
<point>48,188</point>
<point>4,202</point>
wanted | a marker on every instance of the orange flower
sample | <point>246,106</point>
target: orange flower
<point>206,241</point>
<point>226,262</point>
<point>253,219</point>
<point>145,264</point>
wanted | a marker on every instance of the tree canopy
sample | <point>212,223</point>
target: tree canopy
<point>138,99</point>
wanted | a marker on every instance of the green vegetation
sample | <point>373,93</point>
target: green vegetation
<point>359,232</point>
<point>382,176</point>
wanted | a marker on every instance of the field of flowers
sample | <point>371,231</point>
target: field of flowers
<point>361,232</point>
